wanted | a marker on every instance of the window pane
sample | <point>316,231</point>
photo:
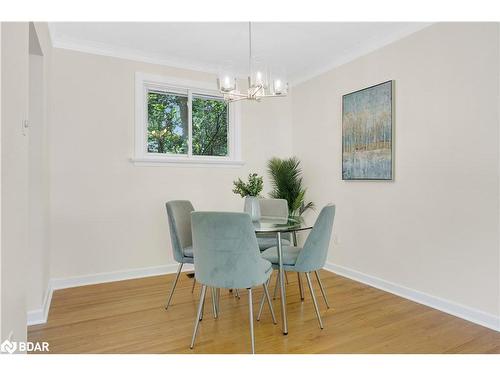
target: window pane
<point>210,126</point>
<point>167,123</point>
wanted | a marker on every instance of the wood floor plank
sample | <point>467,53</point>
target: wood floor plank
<point>129,317</point>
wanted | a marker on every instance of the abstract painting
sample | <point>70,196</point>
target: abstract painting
<point>367,133</point>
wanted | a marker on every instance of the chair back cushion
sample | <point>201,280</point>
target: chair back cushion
<point>179,221</point>
<point>315,250</point>
<point>273,207</point>
<point>226,254</point>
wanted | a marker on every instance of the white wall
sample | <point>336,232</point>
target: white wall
<point>38,241</point>
<point>1,124</point>
<point>25,250</point>
<point>14,159</point>
<point>107,214</point>
<point>435,228</point>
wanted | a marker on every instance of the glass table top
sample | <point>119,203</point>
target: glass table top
<point>268,224</point>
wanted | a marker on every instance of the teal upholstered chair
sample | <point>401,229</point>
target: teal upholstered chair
<point>311,257</point>
<point>179,222</point>
<point>227,256</point>
<point>272,208</point>
<point>278,208</point>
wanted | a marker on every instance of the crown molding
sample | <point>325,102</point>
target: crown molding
<point>361,50</point>
<point>103,49</point>
<point>109,50</point>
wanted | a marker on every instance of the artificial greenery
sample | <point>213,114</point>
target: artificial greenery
<point>286,178</point>
<point>251,189</point>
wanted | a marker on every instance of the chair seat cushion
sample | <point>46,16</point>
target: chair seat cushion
<point>270,241</point>
<point>290,254</point>
<point>188,251</point>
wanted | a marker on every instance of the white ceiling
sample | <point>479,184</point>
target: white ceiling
<point>305,49</point>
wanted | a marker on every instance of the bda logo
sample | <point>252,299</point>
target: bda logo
<point>8,347</point>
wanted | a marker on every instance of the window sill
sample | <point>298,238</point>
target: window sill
<point>173,162</point>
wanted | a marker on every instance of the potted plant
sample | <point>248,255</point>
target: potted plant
<point>250,191</point>
<point>286,178</point>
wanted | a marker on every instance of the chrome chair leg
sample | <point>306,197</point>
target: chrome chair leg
<point>214,302</point>
<point>266,292</point>
<point>194,283</point>
<point>261,306</point>
<point>198,316</point>
<point>322,289</point>
<point>237,294</point>
<point>301,289</point>
<point>174,285</point>
<point>286,277</point>
<point>277,285</point>
<point>217,294</point>
<point>264,297</point>
<point>202,309</point>
<point>308,277</point>
<point>250,311</point>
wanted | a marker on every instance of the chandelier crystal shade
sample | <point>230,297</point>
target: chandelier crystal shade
<point>262,83</point>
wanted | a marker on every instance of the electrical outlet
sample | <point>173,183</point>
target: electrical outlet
<point>25,126</point>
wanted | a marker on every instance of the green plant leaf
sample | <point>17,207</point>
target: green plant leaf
<point>253,188</point>
<point>286,180</point>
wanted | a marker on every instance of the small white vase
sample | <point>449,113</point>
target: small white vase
<point>252,207</point>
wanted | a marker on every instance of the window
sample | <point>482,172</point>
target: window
<point>210,121</point>
<point>167,123</point>
<point>184,122</point>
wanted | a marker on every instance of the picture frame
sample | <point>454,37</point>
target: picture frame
<point>367,133</point>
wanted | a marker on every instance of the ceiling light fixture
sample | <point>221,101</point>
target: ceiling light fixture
<point>258,79</point>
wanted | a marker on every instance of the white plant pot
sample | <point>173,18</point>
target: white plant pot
<point>252,207</point>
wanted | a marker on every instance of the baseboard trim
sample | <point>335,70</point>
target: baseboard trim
<point>39,316</point>
<point>464,312</point>
<point>107,277</point>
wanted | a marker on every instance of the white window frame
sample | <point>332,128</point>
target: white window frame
<point>146,82</point>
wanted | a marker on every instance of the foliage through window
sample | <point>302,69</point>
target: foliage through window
<point>210,126</point>
<point>168,124</point>
<point>181,121</point>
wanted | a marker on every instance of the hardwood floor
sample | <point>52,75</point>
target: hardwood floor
<point>129,317</point>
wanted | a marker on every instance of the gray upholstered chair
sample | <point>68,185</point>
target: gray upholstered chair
<point>179,222</point>
<point>278,208</point>
<point>272,208</point>
<point>311,257</point>
<point>227,256</point>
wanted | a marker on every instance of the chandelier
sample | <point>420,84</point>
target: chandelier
<point>261,82</point>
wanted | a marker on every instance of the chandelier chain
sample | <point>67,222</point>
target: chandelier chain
<point>249,46</point>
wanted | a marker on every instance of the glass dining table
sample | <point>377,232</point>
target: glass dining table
<point>279,226</point>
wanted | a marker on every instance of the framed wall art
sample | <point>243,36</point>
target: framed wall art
<point>367,130</point>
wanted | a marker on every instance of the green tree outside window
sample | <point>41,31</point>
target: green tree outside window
<point>168,125</point>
